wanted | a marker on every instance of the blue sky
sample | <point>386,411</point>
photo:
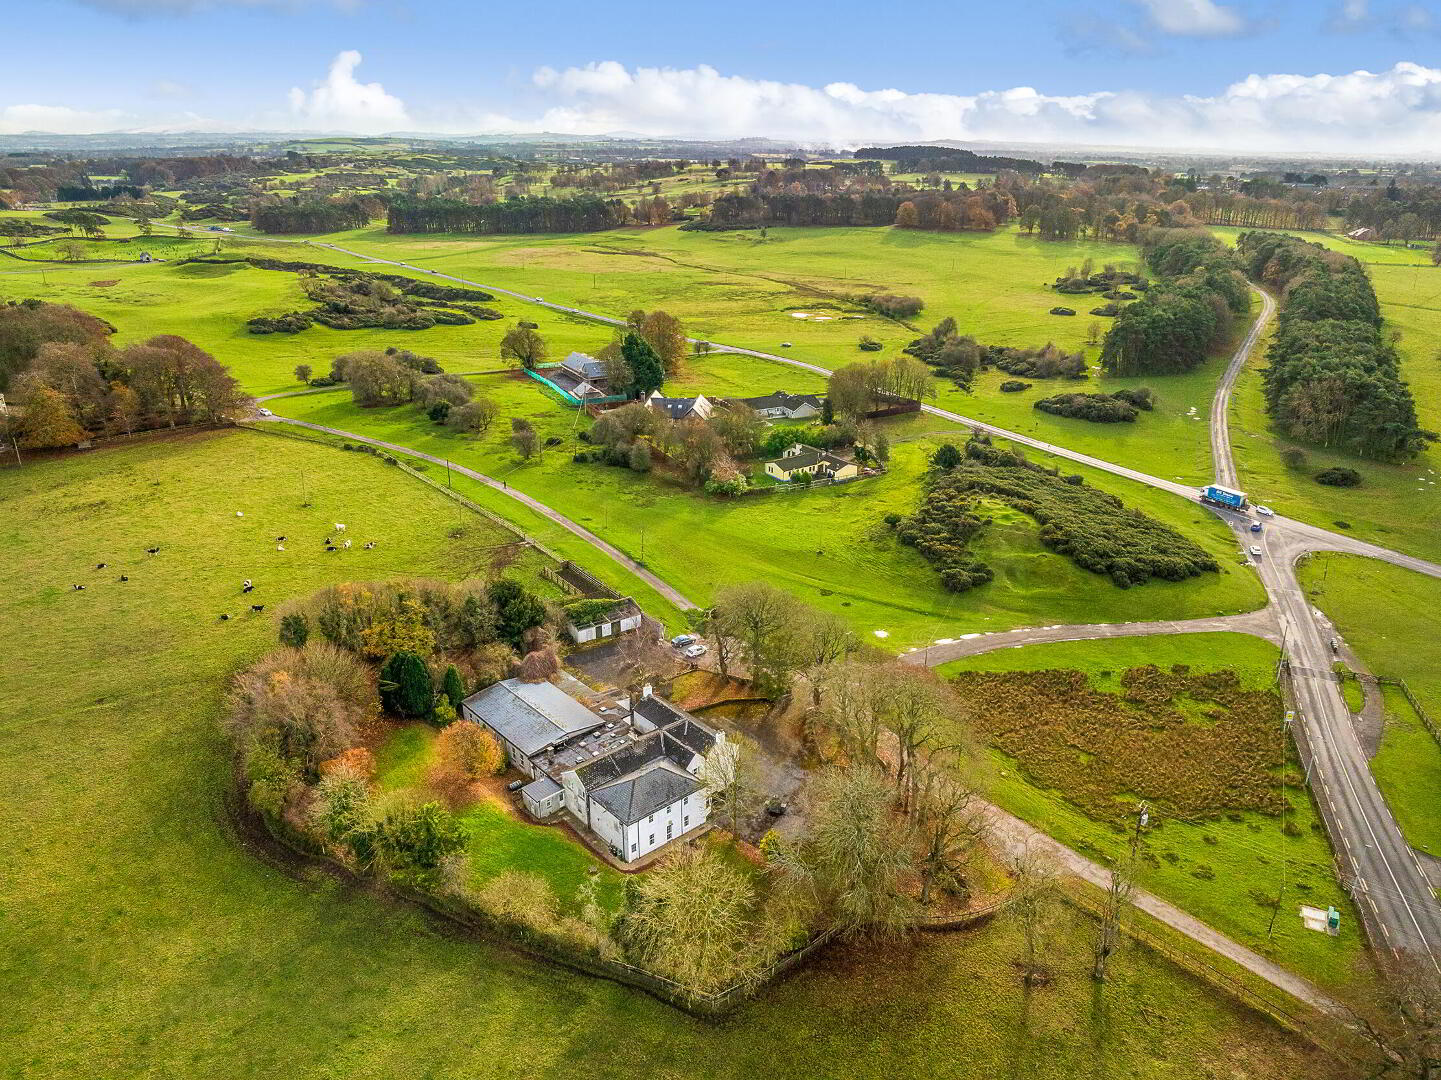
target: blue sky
<point>1139,72</point>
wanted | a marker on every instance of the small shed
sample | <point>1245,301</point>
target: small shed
<point>597,619</point>
<point>542,797</point>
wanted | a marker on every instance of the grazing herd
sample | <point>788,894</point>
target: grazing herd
<point>247,586</point>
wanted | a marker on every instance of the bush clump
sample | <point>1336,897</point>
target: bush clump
<point>1014,386</point>
<point>1091,527</point>
<point>1098,408</point>
<point>1339,477</point>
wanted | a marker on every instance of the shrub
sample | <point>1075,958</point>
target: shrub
<point>946,457</point>
<point>1062,311</point>
<point>1047,362</point>
<point>473,418</point>
<point>1293,457</point>
<point>639,458</point>
<point>294,630</point>
<point>406,688</point>
<point>453,687</point>
<point>438,412</point>
<point>893,520</point>
<point>1097,408</point>
<point>465,754</point>
<point>1014,386</point>
<point>1339,477</point>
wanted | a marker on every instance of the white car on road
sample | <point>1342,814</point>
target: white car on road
<point>266,412</point>
<point>1256,550</point>
<point>693,651</point>
<point>1265,511</point>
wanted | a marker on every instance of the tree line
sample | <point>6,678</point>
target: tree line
<point>1331,378</point>
<point>69,383</point>
<point>1182,316</point>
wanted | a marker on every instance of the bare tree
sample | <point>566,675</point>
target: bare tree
<point>1400,1029</point>
<point>1118,899</point>
<point>949,823</point>
<point>1033,902</point>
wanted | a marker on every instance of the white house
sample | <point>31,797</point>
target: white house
<point>635,781</point>
<point>680,408</point>
<point>802,460</point>
<point>783,406</point>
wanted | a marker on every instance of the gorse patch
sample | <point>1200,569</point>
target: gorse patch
<point>1092,527</point>
<point>1192,745</point>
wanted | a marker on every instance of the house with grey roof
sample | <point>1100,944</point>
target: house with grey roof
<point>783,406</point>
<point>635,776</point>
<point>680,408</point>
<point>806,461</point>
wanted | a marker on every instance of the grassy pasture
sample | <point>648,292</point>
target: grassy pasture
<point>1225,869</point>
<point>829,546</point>
<point>1387,615</point>
<point>139,939</point>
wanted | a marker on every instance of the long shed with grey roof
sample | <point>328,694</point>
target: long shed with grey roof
<point>529,718</point>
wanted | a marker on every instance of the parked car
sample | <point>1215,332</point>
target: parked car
<point>266,412</point>
<point>1256,550</point>
<point>1255,526</point>
<point>1265,511</point>
<point>680,641</point>
<point>692,651</point>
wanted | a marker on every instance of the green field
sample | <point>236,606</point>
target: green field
<point>828,546</point>
<point>140,939</point>
<point>1387,615</point>
<point>1225,870</point>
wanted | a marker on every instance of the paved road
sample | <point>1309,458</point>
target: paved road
<point>501,486</point>
<point>1382,872</point>
<point>1258,623</point>
<point>1223,464</point>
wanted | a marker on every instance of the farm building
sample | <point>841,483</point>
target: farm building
<point>597,619</point>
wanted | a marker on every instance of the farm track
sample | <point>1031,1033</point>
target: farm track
<point>1381,872</point>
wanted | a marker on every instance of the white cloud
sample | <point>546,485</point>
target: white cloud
<point>1193,18</point>
<point>168,88</point>
<point>59,119</point>
<point>1364,112</point>
<point>343,103</point>
<point>1351,15</point>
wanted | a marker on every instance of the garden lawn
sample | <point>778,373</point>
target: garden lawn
<point>497,840</point>
<point>829,545</point>
<point>1388,616</point>
<point>1225,870</point>
<point>139,938</point>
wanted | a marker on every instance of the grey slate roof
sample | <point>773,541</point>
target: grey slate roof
<point>806,458</point>
<point>531,716</point>
<point>587,367</point>
<point>677,408</point>
<point>540,788</point>
<point>781,400</point>
<point>655,788</point>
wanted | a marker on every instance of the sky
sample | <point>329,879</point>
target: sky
<point>1350,76</point>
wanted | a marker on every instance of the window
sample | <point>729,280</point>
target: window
<point>632,849</point>
<point>668,831</point>
<point>687,821</point>
<point>651,818</point>
<point>652,840</point>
